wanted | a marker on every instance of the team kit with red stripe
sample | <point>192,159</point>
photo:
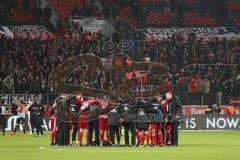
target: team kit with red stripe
<point>151,122</point>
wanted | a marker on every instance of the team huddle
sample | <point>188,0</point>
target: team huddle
<point>152,122</point>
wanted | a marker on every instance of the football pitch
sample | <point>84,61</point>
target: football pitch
<point>196,145</point>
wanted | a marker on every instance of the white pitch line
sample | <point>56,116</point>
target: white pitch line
<point>99,150</point>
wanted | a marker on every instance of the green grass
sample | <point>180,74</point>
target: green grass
<point>223,145</point>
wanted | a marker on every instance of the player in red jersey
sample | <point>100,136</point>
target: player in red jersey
<point>53,122</point>
<point>83,122</point>
<point>103,122</point>
<point>156,119</point>
<point>53,128</point>
<point>167,124</point>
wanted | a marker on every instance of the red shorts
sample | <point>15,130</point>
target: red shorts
<point>156,126</point>
<point>53,123</point>
<point>83,121</point>
<point>103,123</point>
<point>168,126</point>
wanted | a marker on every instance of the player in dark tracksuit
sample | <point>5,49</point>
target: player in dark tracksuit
<point>63,123</point>
<point>39,113</point>
<point>32,109</point>
<point>114,125</point>
<point>156,119</point>
<point>128,115</point>
<point>142,122</point>
<point>75,111</point>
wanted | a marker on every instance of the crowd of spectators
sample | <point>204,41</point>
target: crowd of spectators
<point>5,12</point>
<point>196,67</point>
<point>222,10</point>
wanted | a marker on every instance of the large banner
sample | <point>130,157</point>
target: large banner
<point>211,122</point>
<point>5,32</point>
<point>90,24</point>
<point>11,122</point>
<point>25,31</point>
<point>206,33</point>
<point>10,98</point>
<point>194,122</point>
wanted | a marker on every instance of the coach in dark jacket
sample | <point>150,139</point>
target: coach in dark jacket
<point>175,114</point>
<point>75,110</point>
<point>63,123</point>
<point>32,109</point>
<point>36,116</point>
<point>128,114</point>
<point>114,124</point>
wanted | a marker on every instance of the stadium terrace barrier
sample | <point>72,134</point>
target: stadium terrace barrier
<point>10,98</point>
<point>25,31</point>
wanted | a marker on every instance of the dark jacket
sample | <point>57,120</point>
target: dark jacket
<point>74,109</point>
<point>142,121</point>
<point>32,109</point>
<point>155,112</point>
<point>114,117</point>
<point>63,111</point>
<point>175,109</point>
<point>128,113</point>
<point>39,110</point>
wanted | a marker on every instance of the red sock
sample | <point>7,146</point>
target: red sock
<point>147,137</point>
<point>160,137</point>
<point>137,136</point>
<point>150,136</point>
<point>53,137</point>
<point>154,139</point>
<point>140,136</point>
<point>108,137</point>
<point>169,138</point>
<point>80,137</point>
<point>87,136</point>
<point>101,135</point>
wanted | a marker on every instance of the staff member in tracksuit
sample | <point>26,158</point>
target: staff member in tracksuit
<point>142,123</point>
<point>32,109</point>
<point>128,116</point>
<point>175,111</point>
<point>39,113</point>
<point>75,104</point>
<point>114,125</point>
<point>63,123</point>
<point>156,119</point>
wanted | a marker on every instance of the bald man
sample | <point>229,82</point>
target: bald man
<point>175,111</point>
